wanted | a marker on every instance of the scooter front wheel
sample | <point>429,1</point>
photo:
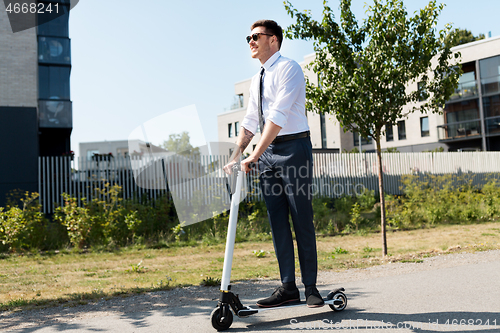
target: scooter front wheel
<point>340,300</point>
<point>222,323</point>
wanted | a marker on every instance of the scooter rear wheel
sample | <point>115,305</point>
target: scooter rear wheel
<point>219,323</point>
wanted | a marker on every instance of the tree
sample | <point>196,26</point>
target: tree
<point>364,72</point>
<point>461,36</point>
<point>180,144</point>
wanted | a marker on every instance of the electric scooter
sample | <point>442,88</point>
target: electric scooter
<point>221,316</point>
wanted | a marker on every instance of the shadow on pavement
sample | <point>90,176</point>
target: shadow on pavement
<point>194,304</point>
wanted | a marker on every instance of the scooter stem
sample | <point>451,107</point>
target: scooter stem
<point>231,234</point>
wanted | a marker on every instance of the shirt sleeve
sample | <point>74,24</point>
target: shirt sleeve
<point>251,119</point>
<point>290,81</point>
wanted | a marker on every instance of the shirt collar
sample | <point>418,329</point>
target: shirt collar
<point>270,62</point>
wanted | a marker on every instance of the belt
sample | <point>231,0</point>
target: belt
<point>289,137</point>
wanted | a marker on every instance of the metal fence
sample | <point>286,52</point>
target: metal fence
<point>334,175</point>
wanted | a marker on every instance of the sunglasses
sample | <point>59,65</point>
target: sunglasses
<point>255,36</point>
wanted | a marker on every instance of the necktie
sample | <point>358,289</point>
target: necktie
<point>261,115</point>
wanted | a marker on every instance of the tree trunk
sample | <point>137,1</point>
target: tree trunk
<point>382,197</point>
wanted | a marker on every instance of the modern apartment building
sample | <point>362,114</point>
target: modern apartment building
<point>472,116</point>
<point>35,104</point>
<point>470,119</point>
<point>118,148</point>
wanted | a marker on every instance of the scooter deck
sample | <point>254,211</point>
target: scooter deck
<point>250,310</point>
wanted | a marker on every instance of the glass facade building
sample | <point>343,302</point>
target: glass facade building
<point>490,86</point>
<point>472,115</point>
<point>54,70</point>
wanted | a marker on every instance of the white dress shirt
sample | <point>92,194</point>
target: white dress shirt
<point>283,98</point>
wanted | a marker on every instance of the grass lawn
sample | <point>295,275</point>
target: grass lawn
<point>71,277</point>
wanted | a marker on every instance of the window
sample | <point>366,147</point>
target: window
<point>490,75</point>
<point>389,134</point>
<point>462,111</point>
<point>230,130</point>
<point>239,98</point>
<point>462,119</point>
<point>421,88</point>
<point>490,67</point>
<point>323,130</point>
<point>52,50</point>
<point>236,128</point>
<point>467,86</point>
<point>424,126</point>
<point>364,141</point>
<point>492,106</point>
<point>54,23</point>
<point>91,153</point>
<point>55,113</point>
<point>237,102</point>
<point>401,130</point>
<point>122,152</point>
<point>53,82</point>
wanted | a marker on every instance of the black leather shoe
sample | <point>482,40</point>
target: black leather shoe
<point>279,297</point>
<point>313,298</point>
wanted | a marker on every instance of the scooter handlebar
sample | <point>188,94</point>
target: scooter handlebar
<point>231,185</point>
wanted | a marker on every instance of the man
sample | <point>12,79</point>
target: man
<point>284,158</point>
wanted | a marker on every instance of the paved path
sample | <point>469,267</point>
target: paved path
<point>434,296</point>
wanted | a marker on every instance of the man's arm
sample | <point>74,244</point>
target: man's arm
<point>244,139</point>
<point>271,130</point>
<point>242,142</point>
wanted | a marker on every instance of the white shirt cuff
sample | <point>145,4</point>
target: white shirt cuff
<point>250,125</point>
<point>277,118</point>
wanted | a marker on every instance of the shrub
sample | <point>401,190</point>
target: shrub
<point>77,220</point>
<point>344,204</point>
<point>491,199</point>
<point>322,213</point>
<point>356,218</point>
<point>23,228</point>
<point>432,199</point>
<point>108,220</point>
<point>367,199</point>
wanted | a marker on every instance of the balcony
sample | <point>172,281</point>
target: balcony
<point>459,130</point>
<point>493,126</point>
<point>465,90</point>
<point>53,50</point>
<point>237,102</point>
<point>55,114</point>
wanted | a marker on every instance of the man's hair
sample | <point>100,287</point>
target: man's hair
<point>271,28</point>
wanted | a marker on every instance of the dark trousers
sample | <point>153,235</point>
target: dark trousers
<point>286,178</point>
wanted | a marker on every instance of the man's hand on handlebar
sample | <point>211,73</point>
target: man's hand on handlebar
<point>228,168</point>
<point>248,164</point>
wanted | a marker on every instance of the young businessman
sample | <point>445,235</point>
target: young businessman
<point>284,158</point>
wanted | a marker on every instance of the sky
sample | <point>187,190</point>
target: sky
<point>136,63</point>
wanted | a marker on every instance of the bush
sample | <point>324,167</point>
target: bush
<point>154,219</point>
<point>491,199</point>
<point>344,204</point>
<point>322,213</point>
<point>367,199</point>
<point>23,228</point>
<point>109,221</point>
<point>76,220</point>
<point>356,218</point>
<point>431,199</point>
